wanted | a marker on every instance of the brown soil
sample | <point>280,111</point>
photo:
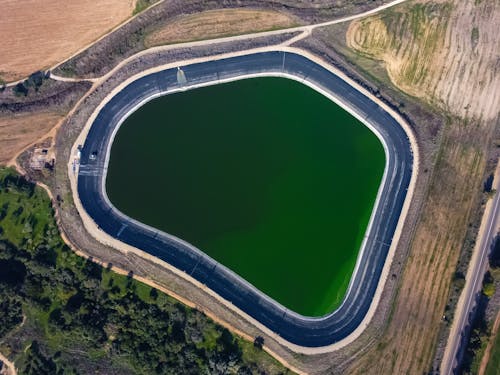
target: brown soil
<point>38,34</point>
<point>444,52</point>
<point>19,131</point>
<point>8,367</point>
<point>101,57</point>
<point>218,23</point>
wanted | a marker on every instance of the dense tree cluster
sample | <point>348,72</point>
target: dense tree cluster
<point>93,309</point>
<point>34,81</point>
<point>37,363</point>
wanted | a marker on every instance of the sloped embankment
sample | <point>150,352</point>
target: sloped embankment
<point>443,52</point>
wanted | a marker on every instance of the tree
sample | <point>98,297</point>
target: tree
<point>11,314</point>
<point>35,80</point>
<point>12,272</point>
<point>495,253</point>
<point>258,342</point>
<point>153,294</point>
<point>37,363</point>
<point>20,89</point>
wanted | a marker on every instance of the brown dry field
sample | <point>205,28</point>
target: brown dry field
<point>38,34</point>
<point>19,131</point>
<point>218,23</point>
<point>446,54</point>
<point>409,342</point>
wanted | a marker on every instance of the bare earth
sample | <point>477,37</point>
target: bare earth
<point>19,131</point>
<point>449,55</point>
<point>8,366</point>
<point>37,34</point>
<point>219,23</point>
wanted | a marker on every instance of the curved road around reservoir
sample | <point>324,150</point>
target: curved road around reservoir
<point>297,329</point>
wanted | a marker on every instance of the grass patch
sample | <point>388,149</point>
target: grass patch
<point>474,35</point>
<point>493,367</point>
<point>141,5</point>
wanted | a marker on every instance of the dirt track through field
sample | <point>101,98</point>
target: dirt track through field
<point>9,368</point>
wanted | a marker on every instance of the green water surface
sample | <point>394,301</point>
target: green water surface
<point>265,175</point>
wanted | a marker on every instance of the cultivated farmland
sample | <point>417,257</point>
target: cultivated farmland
<point>38,34</point>
<point>218,23</point>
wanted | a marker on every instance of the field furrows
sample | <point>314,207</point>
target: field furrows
<point>444,52</point>
<point>38,34</point>
<point>410,338</point>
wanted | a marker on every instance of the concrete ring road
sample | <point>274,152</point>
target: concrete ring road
<point>296,329</point>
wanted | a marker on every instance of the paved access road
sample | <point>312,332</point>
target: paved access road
<point>300,330</point>
<point>460,330</point>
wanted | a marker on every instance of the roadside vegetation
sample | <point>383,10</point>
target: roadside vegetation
<point>34,82</point>
<point>141,5</point>
<point>64,314</point>
<point>493,367</point>
<point>481,331</point>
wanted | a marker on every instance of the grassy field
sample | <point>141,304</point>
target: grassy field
<point>218,24</point>
<point>61,313</point>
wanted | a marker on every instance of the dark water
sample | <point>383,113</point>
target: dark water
<point>265,175</point>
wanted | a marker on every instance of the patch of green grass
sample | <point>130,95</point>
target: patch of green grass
<point>489,289</point>
<point>141,5</point>
<point>25,223</point>
<point>210,339</point>
<point>474,35</point>
<point>493,367</point>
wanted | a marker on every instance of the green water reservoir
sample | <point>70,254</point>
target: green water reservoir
<point>265,175</point>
